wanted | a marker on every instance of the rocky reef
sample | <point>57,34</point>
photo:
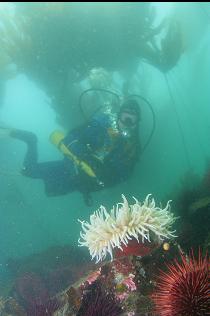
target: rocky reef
<point>121,287</point>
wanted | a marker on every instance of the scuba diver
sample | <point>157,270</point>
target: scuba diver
<point>98,154</point>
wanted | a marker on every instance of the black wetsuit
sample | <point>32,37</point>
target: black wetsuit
<point>116,157</point>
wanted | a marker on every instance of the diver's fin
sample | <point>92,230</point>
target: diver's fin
<point>5,132</point>
<point>10,173</point>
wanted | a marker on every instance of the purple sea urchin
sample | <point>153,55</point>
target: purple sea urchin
<point>97,301</point>
<point>45,309</point>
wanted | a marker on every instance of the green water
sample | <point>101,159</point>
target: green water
<point>42,94</point>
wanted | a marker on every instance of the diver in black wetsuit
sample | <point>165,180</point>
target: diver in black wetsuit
<point>108,144</point>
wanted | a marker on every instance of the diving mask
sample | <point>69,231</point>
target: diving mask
<point>128,119</point>
<point>127,123</point>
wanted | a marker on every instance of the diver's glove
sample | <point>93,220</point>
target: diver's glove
<point>100,183</point>
<point>57,138</point>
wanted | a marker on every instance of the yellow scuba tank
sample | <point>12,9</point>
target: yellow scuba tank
<point>57,138</point>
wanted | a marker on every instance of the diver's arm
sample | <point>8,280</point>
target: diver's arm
<point>121,167</point>
<point>83,140</point>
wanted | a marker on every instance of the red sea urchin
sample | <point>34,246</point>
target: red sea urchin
<point>184,290</point>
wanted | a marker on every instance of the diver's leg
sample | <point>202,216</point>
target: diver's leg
<point>31,157</point>
<point>5,131</point>
<point>58,178</point>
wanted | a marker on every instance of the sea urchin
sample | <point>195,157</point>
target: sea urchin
<point>184,289</point>
<point>98,301</point>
